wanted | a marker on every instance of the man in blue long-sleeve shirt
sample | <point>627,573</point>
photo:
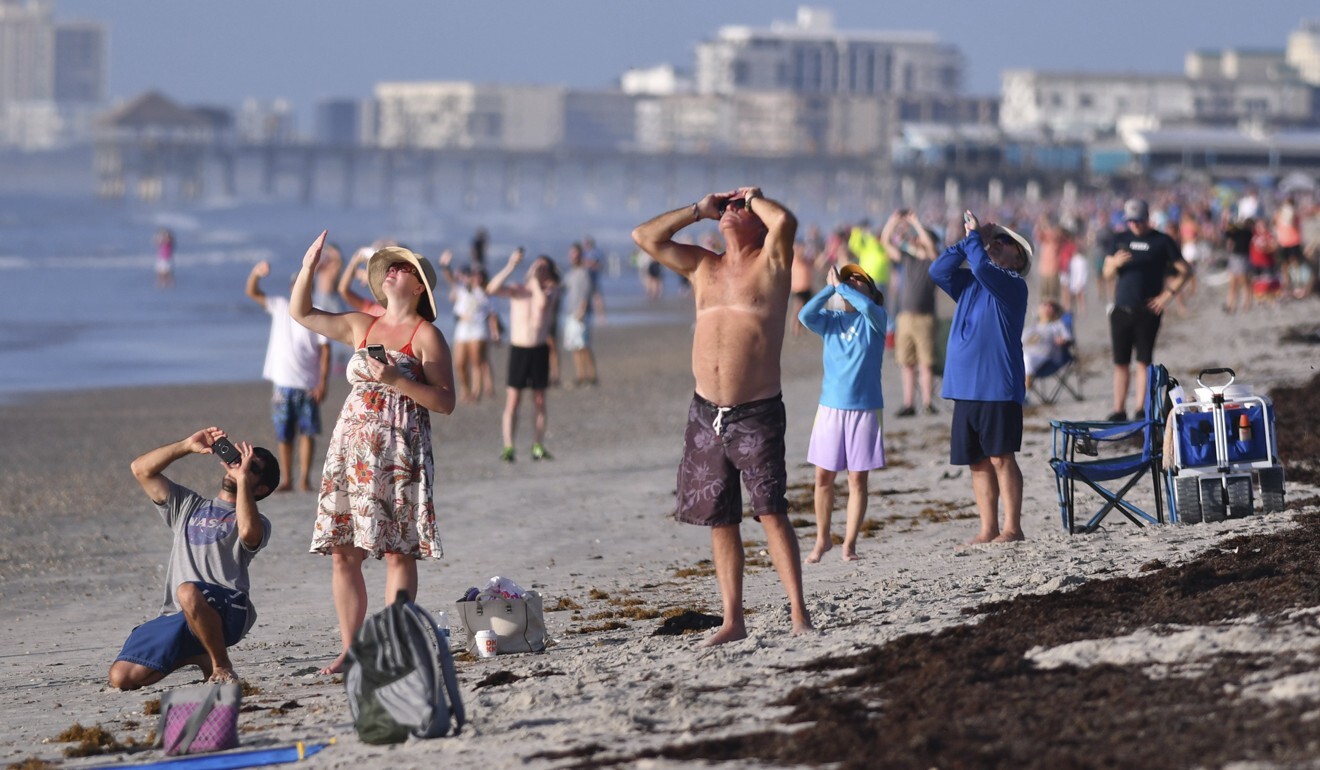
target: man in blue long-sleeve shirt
<point>983,371</point>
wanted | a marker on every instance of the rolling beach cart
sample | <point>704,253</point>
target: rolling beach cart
<point>1223,443</point>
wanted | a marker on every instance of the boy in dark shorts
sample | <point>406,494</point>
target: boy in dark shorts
<point>984,373</point>
<point>206,607</point>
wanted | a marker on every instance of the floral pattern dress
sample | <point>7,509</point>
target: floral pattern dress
<point>378,476</point>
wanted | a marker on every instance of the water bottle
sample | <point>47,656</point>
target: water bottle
<point>442,625</point>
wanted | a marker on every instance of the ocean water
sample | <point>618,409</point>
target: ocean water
<point>81,308</point>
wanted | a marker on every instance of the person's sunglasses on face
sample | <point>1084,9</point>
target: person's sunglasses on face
<point>737,204</point>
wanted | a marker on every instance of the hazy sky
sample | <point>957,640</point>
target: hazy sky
<point>307,50</point>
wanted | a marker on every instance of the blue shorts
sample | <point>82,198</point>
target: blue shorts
<point>164,643</point>
<point>984,429</point>
<point>294,413</point>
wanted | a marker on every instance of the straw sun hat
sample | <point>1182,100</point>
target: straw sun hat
<point>381,261</point>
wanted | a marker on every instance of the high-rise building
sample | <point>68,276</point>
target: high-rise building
<point>27,51</point>
<point>52,75</point>
<point>79,62</point>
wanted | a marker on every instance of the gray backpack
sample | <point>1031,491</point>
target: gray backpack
<point>400,677</point>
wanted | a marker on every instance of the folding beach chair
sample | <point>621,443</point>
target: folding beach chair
<point>1055,376</point>
<point>1099,455</point>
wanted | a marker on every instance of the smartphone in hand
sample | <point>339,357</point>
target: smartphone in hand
<point>227,452</point>
<point>378,352</point>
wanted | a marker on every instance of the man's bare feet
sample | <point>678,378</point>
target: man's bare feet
<point>802,627</point>
<point>336,666</point>
<point>821,547</point>
<point>285,487</point>
<point>982,539</point>
<point>222,676</point>
<point>1009,537</point>
<point>729,632</point>
<point>850,555</point>
<point>305,487</point>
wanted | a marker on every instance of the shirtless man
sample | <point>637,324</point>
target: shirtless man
<point>531,310</point>
<point>808,258</point>
<point>736,421</point>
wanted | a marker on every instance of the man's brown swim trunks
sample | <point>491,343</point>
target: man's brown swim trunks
<point>722,445</point>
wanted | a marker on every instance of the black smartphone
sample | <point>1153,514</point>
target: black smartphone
<point>378,352</point>
<point>227,452</point>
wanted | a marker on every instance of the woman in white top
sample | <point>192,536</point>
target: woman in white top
<point>472,309</point>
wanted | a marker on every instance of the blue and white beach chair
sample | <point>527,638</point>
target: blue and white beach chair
<point>1109,458</point>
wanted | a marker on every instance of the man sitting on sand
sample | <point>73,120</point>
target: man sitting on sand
<point>206,606</point>
<point>984,373</point>
<point>736,422</point>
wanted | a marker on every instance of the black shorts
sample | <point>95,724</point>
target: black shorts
<point>529,367</point>
<point>982,429</point>
<point>1133,328</point>
<point>725,445</point>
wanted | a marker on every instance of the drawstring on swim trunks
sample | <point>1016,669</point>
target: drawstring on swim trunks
<point>718,423</point>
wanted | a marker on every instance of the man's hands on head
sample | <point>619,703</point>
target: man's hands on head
<point>711,205</point>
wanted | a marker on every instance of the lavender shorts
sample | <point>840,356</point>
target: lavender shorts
<point>847,439</point>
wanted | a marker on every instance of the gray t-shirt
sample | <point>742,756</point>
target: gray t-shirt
<point>206,545</point>
<point>579,287</point>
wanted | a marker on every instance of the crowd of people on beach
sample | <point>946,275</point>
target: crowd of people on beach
<point>861,289</point>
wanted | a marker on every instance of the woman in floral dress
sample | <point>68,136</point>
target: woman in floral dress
<point>376,486</point>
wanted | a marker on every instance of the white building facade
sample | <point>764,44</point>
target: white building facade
<point>810,57</point>
<point>468,115</point>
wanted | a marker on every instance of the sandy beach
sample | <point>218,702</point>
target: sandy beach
<point>84,555</point>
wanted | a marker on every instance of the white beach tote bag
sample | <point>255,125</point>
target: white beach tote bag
<point>519,624</point>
